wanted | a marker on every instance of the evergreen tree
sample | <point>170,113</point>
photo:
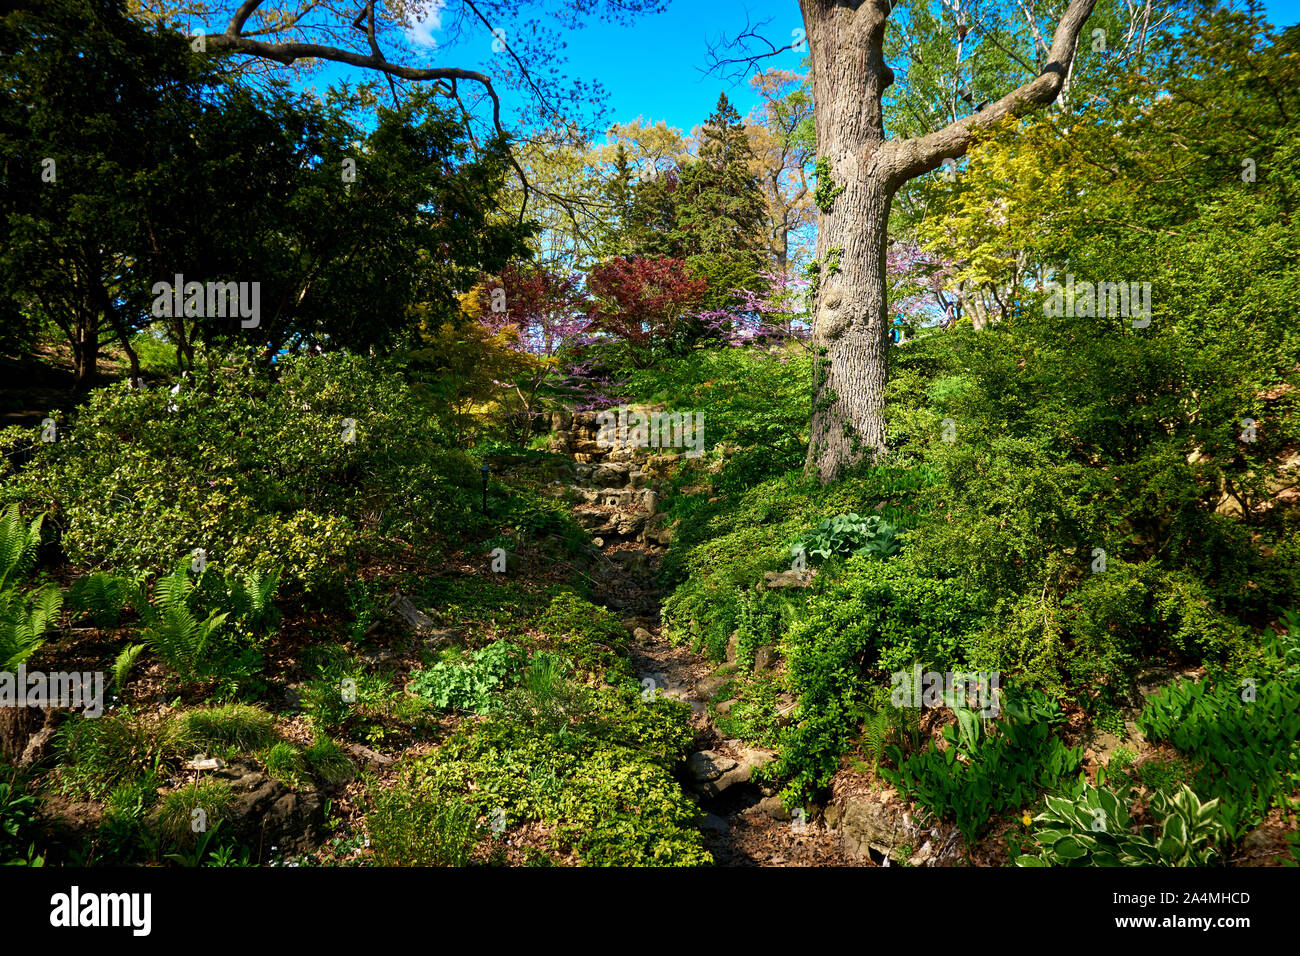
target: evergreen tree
<point>720,210</point>
<point>620,193</point>
<point>653,218</point>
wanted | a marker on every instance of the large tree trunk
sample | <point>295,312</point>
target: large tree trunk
<point>850,333</point>
<point>850,322</point>
<point>858,173</point>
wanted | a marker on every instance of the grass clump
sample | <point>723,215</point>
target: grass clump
<point>285,762</point>
<point>413,827</point>
<point>329,762</point>
<point>225,731</point>
<point>194,809</point>
<point>96,755</point>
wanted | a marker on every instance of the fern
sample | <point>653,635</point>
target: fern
<point>122,665</point>
<point>888,726</point>
<point>252,599</point>
<point>17,544</point>
<point>174,632</point>
<point>103,596</point>
<point>875,735</point>
<point>24,621</point>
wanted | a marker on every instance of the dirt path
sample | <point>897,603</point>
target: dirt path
<point>744,823</point>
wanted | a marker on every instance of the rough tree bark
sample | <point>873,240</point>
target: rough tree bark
<point>859,171</point>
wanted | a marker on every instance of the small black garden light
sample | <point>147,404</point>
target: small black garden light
<point>485,471</point>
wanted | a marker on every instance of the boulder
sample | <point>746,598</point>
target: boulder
<point>26,733</point>
<point>866,824</point>
<point>402,607</point>
<point>269,816</point>
<point>629,523</point>
<point>778,580</point>
<point>746,763</point>
<point>634,562</point>
<point>709,765</point>
<point>707,687</point>
<point>610,475</point>
<point>769,808</point>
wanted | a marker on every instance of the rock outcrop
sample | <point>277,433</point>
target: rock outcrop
<point>614,478</point>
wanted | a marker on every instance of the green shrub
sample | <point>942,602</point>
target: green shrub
<point>877,616</point>
<point>546,698</point>
<point>619,812</point>
<point>257,472</point>
<point>760,618</point>
<point>768,424</point>
<point>251,600</point>
<point>592,636</point>
<point>1094,829</point>
<point>602,778</point>
<point>536,516</point>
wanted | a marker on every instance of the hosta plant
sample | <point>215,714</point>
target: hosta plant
<point>848,534</point>
<point>1096,830</point>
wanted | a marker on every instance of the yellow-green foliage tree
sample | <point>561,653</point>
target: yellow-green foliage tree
<point>469,371</point>
<point>993,224</point>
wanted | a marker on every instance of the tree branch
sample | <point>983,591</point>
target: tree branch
<point>906,159</point>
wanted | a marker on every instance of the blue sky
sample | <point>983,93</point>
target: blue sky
<point>654,69</point>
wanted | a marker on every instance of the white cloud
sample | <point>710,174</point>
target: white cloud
<point>427,20</point>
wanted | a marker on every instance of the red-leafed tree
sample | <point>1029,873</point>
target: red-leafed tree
<point>643,302</point>
<point>549,309</point>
